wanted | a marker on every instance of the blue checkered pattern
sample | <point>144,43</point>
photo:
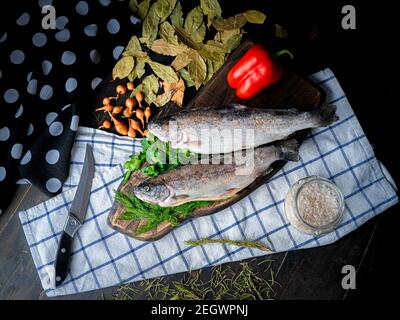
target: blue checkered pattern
<point>103,257</point>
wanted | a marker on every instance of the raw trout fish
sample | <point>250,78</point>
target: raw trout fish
<point>219,181</point>
<point>227,129</point>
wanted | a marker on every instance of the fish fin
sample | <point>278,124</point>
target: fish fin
<point>290,150</point>
<point>325,115</point>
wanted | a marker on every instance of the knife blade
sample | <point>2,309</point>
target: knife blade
<point>76,216</point>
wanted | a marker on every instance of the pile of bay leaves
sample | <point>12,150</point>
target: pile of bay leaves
<point>187,40</point>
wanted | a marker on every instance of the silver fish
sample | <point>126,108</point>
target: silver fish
<point>227,129</point>
<point>194,182</point>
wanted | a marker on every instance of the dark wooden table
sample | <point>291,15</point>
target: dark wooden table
<point>304,274</point>
<point>364,61</point>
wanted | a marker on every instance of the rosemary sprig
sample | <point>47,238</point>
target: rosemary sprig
<point>240,243</point>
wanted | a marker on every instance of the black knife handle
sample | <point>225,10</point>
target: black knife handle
<point>63,258</point>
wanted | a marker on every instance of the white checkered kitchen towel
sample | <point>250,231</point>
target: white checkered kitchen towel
<point>103,257</point>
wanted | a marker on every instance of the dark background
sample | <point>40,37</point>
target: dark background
<point>365,62</point>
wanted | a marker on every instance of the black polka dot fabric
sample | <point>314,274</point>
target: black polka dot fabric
<point>45,77</point>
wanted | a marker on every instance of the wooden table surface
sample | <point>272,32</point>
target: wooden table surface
<point>365,72</point>
<point>303,274</point>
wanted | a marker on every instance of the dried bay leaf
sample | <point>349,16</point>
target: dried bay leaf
<point>164,8</point>
<point>161,46</point>
<point>133,44</point>
<point>212,9</point>
<point>255,16</point>
<point>150,26</point>
<point>193,20</point>
<point>143,9</point>
<point>167,33</point>
<point>186,77</point>
<point>184,37</point>
<point>164,72</point>
<point>181,61</point>
<point>151,83</point>
<point>280,32</point>
<point>177,90</point>
<point>200,33</point>
<point>123,67</point>
<point>233,42</point>
<point>133,5</point>
<point>234,22</point>
<point>163,99</point>
<point>210,70</point>
<point>177,16</point>
<point>139,67</point>
<point>197,68</point>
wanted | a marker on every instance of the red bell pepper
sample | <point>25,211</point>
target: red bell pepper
<point>255,71</point>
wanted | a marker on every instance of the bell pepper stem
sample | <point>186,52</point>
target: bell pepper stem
<point>282,52</point>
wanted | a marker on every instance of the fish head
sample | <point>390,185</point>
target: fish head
<point>152,192</point>
<point>166,129</point>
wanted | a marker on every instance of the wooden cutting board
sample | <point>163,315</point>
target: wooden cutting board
<point>290,91</point>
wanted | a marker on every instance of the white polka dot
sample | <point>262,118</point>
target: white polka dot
<point>117,51</point>
<point>16,151</point>
<point>91,30</point>
<point>46,67</point>
<point>50,117</point>
<point>53,185</point>
<point>134,20</point>
<point>32,86</point>
<point>74,123</point>
<point>105,2</point>
<point>52,156</point>
<point>43,3</point>
<point>61,22</point>
<point>66,107</point>
<point>23,181</point>
<point>71,84</point>
<point>3,37</point>
<point>26,158</point>
<point>82,8</point>
<point>68,58</point>
<point>30,130</point>
<point>46,92</point>
<point>11,95</point>
<point>4,134</point>
<point>19,111</point>
<point>56,128</point>
<point>23,19</point>
<point>113,26</point>
<point>17,57</point>
<point>39,39</point>
<point>95,56</point>
<point>96,82</point>
<point>29,76</point>
<point>3,173</point>
<point>63,35</point>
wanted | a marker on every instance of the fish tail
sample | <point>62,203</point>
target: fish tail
<point>325,115</point>
<point>290,150</point>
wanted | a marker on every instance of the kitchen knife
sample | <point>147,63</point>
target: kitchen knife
<point>76,216</point>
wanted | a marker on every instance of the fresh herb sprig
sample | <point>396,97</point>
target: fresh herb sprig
<point>240,243</point>
<point>158,155</point>
<point>154,214</point>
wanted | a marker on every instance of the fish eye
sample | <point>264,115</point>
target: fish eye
<point>146,188</point>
